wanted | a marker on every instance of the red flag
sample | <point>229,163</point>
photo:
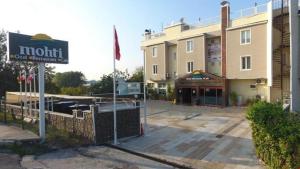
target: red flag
<point>117,53</point>
<point>29,79</point>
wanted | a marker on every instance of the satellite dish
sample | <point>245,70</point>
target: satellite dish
<point>182,19</point>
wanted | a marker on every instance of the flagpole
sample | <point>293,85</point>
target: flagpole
<point>26,90</point>
<point>145,98</point>
<point>20,81</point>
<point>114,83</point>
<point>30,100</point>
<point>34,90</point>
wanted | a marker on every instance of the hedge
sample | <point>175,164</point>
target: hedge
<point>276,135</point>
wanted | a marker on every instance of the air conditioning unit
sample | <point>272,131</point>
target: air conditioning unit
<point>260,81</point>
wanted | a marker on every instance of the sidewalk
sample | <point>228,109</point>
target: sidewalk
<point>11,134</point>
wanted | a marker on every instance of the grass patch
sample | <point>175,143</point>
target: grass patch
<point>26,149</point>
<point>55,139</point>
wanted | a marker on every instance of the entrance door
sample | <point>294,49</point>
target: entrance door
<point>210,96</point>
<point>186,95</point>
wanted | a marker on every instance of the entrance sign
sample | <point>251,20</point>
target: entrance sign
<point>198,75</point>
<point>37,48</point>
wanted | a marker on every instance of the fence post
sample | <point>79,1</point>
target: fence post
<point>1,105</point>
<point>5,117</point>
<point>22,115</point>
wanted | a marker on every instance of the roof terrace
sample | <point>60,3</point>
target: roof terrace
<point>234,15</point>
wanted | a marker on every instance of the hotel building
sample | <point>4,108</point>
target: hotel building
<point>253,52</point>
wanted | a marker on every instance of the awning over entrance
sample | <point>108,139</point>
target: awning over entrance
<point>201,88</point>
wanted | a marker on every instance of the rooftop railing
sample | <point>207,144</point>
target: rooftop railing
<point>207,22</point>
<point>278,3</point>
<point>263,8</point>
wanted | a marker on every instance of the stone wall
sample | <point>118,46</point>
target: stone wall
<point>82,123</point>
<point>81,126</point>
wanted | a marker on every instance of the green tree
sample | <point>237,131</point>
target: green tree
<point>138,75</point>
<point>69,79</point>
<point>105,84</point>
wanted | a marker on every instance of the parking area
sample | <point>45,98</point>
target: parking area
<point>200,137</point>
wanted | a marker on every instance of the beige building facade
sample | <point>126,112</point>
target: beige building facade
<point>247,55</point>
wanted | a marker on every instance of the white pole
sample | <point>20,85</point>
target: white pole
<point>26,90</point>
<point>20,79</point>
<point>30,100</point>
<point>34,89</point>
<point>145,97</point>
<point>42,101</point>
<point>114,83</point>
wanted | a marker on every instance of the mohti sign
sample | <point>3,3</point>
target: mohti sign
<point>37,48</point>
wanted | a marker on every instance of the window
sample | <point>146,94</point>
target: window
<point>190,67</point>
<point>154,52</point>
<point>162,85</point>
<point>189,46</point>
<point>154,69</point>
<point>245,63</point>
<point>245,37</point>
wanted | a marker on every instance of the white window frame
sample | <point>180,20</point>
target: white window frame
<point>154,54</point>
<point>154,72</point>
<point>246,64</point>
<point>241,37</point>
<point>187,47</point>
<point>187,67</point>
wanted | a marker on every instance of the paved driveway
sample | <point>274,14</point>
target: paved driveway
<point>94,157</point>
<point>200,137</point>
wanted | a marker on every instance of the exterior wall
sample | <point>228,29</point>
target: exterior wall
<point>242,88</point>
<point>249,20</point>
<point>257,51</point>
<point>197,56</point>
<point>159,60</point>
<point>172,61</point>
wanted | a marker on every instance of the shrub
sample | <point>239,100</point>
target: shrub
<point>170,93</point>
<point>74,91</point>
<point>233,98</point>
<point>153,93</point>
<point>276,135</point>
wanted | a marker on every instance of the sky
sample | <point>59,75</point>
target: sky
<point>88,26</point>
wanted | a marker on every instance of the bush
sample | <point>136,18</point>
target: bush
<point>74,91</point>
<point>170,93</point>
<point>276,135</point>
<point>153,93</point>
<point>233,98</point>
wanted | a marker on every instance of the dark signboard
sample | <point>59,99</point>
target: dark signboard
<point>37,48</point>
